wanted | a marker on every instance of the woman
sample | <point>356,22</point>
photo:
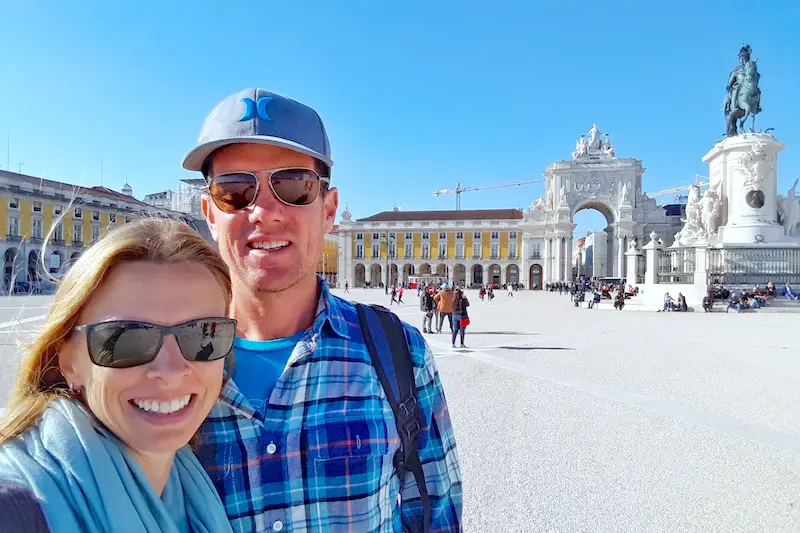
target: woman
<point>460,316</point>
<point>126,367</point>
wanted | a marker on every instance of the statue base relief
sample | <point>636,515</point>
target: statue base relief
<point>744,168</point>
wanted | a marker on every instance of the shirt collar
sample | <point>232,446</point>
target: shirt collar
<point>329,310</point>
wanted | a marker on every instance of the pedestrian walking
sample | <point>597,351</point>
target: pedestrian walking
<point>400,295</point>
<point>444,305</point>
<point>346,287</point>
<point>275,462</point>
<point>394,295</point>
<point>427,305</point>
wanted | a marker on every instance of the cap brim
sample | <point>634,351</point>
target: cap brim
<point>197,156</point>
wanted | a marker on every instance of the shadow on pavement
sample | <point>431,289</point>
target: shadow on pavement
<point>499,333</point>
<point>526,348</point>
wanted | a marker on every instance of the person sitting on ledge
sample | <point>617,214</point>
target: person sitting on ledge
<point>789,293</point>
<point>619,300</point>
<point>771,289</point>
<point>681,305</point>
<point>708,302</point>
<point>669,303</point>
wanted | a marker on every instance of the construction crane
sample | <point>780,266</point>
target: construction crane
<point>459,189</point>
<point>680,188</point>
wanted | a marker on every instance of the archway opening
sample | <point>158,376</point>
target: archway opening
<point>33,268</point>
<point>494,274</point>
<point>56,262</point>
<point>360,276</point>
<point>425,269</point>
<point>376,277</point>
<point>441,270</point>
<point>8,266</point>
<point>477,275</point>
<point>408,270</point>
<point>512,274</point>
<point>393,275</point>
<point>593,252</point>
<point>535,277</point>
<point>460,275</point>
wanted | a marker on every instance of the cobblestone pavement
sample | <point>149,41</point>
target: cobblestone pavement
<point>578,420</point>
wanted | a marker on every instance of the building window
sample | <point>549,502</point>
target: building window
<point>392,251</point>
<point>476,250</point>
<point>95,234</point>
<point>409,236</point>
<point>95,215</point>
<point>476,235</point>
<point>127,220</point>
<point>37,228</point>
<point>57,209</point>
<point>77,233</point>
<point>37,207</point>
<point>359,251</point>
<point>392,236</point>
<point>495,250</point>
<point>442,250</point>
<point>13,203</point>
<point>512,250</point>
<point>460,250</point>
<point>375,236</point>
<point>376,251</point>
<point>58,234</point>
<point>443,235</point>
<point>495,235</point>
<point>425,235</point>
<point>13,226</point>
<point>426,251</point>
<point>409,251</point>
<point>78,213</point>
<point>459,235</point>
<point>359,236</point>
<point>512,235</point>
<point>112,218</point>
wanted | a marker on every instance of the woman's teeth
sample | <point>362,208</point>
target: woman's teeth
<point>164,408</point>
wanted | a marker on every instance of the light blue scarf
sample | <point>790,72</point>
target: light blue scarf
<point>87,480</point>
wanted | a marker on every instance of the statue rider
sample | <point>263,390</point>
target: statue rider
<point>743,95</point>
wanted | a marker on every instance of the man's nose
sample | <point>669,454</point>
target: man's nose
<point>266,207</point>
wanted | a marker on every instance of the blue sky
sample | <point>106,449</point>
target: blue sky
<point>415,95</point>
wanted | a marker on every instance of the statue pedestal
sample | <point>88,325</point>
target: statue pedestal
<point>746,169</point>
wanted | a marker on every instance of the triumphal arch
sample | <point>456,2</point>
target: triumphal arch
<point>595,178</point>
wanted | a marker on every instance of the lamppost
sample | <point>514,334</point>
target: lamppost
<point>385,238</point>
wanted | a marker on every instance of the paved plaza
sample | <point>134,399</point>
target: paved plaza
<point>576,420</point>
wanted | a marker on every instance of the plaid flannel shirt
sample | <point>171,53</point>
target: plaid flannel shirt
<point>320,457</point>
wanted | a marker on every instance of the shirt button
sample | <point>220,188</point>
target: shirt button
<point>271,448</point>
<point>277,525</point>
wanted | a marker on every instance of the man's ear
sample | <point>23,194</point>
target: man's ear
<point>330,203</point>
<point>208,214</point>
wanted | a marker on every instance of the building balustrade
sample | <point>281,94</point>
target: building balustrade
<point>476,256</point>
<point>15,238</point>
<point>535,255</point>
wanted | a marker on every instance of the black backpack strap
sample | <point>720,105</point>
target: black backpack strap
<point>386,341</point>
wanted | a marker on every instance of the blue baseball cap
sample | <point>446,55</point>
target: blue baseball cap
<point>258,116</point>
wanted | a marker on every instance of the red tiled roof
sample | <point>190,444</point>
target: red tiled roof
<point>466,214</point>
<point>96,190</point>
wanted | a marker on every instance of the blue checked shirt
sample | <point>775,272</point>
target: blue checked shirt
<point>320,458</point>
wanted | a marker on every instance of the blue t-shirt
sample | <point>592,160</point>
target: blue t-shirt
<point>259,364</point>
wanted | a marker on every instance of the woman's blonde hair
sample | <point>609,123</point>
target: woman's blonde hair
<point>159,240</point>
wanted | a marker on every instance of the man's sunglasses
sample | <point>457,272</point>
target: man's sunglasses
<point>235,191</point>
<point>127,343</point>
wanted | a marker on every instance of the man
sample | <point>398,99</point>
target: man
<point>303,438</point>
<point>445,300</point>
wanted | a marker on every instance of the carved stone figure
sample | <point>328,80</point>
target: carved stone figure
<point>692,231</point>
<point>594,138</point>
<point>608,148</point>
<point>562,196</point>
<point>549,197</point>
<point>755,165</point>
<point>580,149</point>
<point>789,212</point>
<point>710,205</point>
<point>743,97</point>
<point>625,194</point>
<point>537,205</point>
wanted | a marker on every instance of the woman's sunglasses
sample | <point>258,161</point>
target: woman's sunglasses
<point>127,343</point>
<point>235,191</point>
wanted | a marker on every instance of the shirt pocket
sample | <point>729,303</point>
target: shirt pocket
<point>352,466</point>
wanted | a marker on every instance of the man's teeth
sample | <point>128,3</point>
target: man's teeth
<point>270,245</point>
<point>164,408</point>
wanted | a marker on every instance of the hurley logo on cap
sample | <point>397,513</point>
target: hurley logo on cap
<point>251,108</point>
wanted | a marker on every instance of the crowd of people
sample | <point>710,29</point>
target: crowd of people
<point>440,302</point>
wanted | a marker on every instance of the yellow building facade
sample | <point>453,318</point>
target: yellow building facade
<point>58,221</point>
<point>468,248</point>
<point>328,263</point>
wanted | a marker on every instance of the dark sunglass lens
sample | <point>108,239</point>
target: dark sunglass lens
<point>232,192</point>
<point>123,344</point>
<point>296,186</point>
<point>206,339</point>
